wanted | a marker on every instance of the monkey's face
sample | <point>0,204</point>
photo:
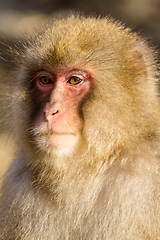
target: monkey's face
<point>60,94</point>
<point>54,79</point>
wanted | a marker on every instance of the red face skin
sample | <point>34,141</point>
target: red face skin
<point>61,95</point>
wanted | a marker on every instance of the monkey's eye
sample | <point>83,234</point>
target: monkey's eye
<point>44,80</point>
<point>75,80</point>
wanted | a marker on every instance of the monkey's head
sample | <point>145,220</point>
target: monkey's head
<point>84,85</point>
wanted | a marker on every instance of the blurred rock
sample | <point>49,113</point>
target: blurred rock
<point>14,23</point>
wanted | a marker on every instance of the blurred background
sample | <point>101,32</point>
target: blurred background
<point>18,17</point>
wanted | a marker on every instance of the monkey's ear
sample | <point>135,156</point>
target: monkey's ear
<point>138,64</point>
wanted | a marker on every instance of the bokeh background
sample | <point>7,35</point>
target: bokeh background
<point>23,16</point>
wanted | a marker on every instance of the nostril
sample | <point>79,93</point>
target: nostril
<point>55,112</point>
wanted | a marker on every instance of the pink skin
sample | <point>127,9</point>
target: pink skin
<point>60,100</point>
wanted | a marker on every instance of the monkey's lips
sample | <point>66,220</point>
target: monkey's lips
<point>60,139</point>
<point>56,137</point>
<point>56,133</point>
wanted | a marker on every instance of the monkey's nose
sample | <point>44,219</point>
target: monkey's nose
<point>55,112</point>
<point>49,113</point>
<point>51,110</point>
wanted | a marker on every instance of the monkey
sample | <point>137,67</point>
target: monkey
<point>85,113</point>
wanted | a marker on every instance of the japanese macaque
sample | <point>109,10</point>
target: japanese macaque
<point>85,112</point>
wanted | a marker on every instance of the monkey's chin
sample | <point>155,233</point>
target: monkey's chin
<point>60,144</point>
<point>62,140</point>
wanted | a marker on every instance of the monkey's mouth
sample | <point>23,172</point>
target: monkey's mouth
<point>54,133</point>
<point>58,140</point>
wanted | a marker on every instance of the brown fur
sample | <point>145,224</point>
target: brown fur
<point>108,187</point>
